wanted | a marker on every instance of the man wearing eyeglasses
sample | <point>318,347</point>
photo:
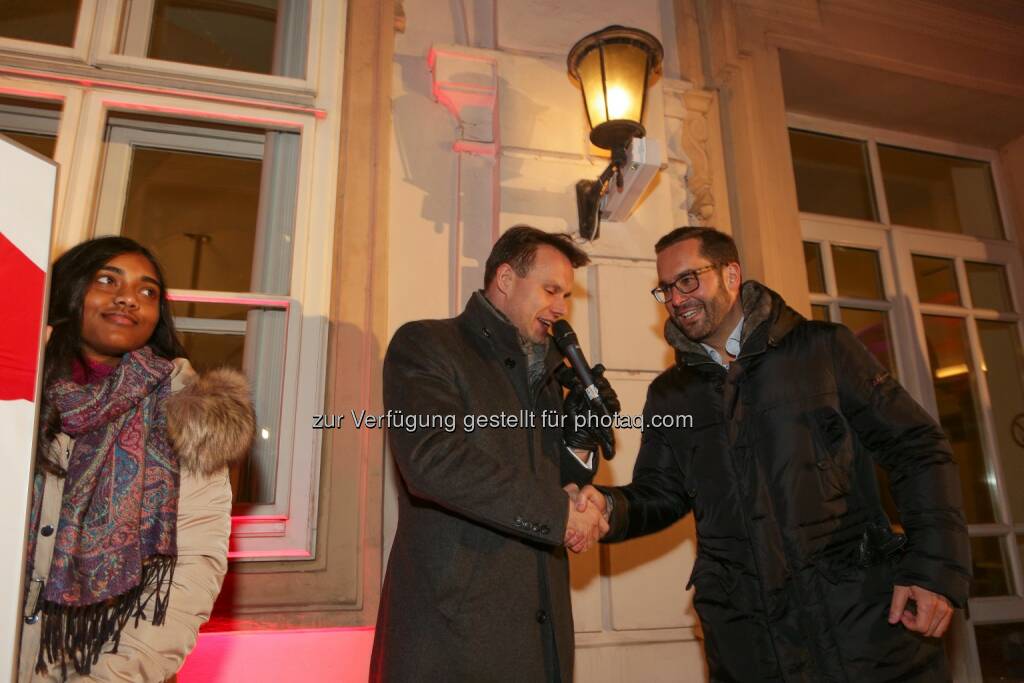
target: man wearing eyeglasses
<point>798,575</point>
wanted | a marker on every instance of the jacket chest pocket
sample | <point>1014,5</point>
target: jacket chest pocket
<point>833,451</point>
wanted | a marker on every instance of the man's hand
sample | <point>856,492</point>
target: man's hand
<point>586,522</point>
<point>933,611</point>
<point>583,434</point>
<point>591,496</point>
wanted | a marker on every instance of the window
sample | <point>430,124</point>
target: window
<point>32,123</point>
<point>227,173</point>
<point>940,192</point>
<point>847,285</point>
<point>832,175</point>
<point>951,273</point>
<point>41,21</point>
<point>204,32</point>
<point>193,195</point>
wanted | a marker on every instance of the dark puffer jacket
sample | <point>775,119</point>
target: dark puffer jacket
<point>796,562</point>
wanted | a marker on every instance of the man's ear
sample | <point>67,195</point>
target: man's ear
<point>733,276</point>
<point>504,278</point>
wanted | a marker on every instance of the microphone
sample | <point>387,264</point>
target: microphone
<point>569,345</point>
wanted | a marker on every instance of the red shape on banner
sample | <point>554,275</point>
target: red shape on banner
<point>22,285</point>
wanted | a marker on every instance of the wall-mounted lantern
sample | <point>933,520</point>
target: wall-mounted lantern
<point>614,67</point>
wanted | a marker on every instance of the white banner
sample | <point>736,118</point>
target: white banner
<point>27,185</point>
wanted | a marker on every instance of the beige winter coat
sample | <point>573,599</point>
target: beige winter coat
<point>211,424</point>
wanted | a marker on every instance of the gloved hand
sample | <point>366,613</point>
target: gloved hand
<point>586,433</point>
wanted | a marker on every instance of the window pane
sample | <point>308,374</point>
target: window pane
<point>216,210</point>
<point>206,33</point>
<point>820,313</point>
<point>1000,651</point>
<point>990,567</point>
<point>1004,373</point>
<point>872,328</point>
<point>198,212</point>
<point>988,286</point>
<point>43,144</point>
<point>41,21</point>
<point>250,339</point>
<point>958,414</point>
<point>32,123</point>
<point>832,175</point>
<point>936,281</point>
<point>815,275</point>
<point>940,192</point>
<point>857,273</point>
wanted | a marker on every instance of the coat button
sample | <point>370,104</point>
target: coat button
<point>46,530</point>
<point>32,619</point>
<point>822,465</point>
<point>542,617</point>
<point>544,529</point>
<point>509,363</point>
<point>535,528</point>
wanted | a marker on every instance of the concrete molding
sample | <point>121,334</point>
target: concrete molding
<point>466,84</point>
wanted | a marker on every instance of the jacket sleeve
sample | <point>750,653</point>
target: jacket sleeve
<point>449,467</point>
<point>154,653</point>
<point>657,496</point>
<point>925,480</point>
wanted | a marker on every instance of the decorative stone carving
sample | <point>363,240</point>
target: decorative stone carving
<point>700,198</point>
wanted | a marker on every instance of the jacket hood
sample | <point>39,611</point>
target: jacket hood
<point>766,319</point>
<point>211,421</point>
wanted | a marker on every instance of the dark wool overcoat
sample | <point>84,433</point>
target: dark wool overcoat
<point>796,561</point>
<point>477,584</point>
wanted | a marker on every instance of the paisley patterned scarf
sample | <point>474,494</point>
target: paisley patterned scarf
<point>116,540</point>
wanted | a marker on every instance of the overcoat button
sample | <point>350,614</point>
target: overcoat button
<point>544,529</point>
<point>32,619</point>
<point>46,530</point>
<point>542,617</point>
<point>822,465</point>
<point>510,363</point>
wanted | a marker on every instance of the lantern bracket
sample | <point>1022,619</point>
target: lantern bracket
<point>589,193</point>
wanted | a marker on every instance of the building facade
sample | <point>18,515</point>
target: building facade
<point>314,173</point>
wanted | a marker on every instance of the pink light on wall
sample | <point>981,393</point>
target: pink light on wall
<point>341,655</point>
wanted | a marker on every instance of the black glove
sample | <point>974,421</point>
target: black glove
<point>588,434</point>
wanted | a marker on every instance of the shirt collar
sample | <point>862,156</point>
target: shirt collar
<point>732,345</point>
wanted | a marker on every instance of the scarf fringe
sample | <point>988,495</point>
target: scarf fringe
<point>77,635</point>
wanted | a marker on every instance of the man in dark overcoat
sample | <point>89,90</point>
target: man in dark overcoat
<point>798,575</point>
<point>477,583</point>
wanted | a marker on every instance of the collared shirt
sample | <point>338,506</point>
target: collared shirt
<point>732,346</point>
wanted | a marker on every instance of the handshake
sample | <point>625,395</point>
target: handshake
<point>588,517</point>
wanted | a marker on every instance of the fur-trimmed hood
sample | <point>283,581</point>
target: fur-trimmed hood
<point>761,306</point>
<point>210,420</point>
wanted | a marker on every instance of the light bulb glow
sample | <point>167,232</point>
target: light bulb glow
<point>619,103</point>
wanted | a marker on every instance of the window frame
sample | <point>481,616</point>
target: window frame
<point>309,107</point>
<point>94,54</point>
<point>875,136</point>
<point>903,241</point>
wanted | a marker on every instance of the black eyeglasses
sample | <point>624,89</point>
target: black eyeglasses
<point>686,283</point>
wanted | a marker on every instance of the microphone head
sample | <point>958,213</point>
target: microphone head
<point>563,334</point>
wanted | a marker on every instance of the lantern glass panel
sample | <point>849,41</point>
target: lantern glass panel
<point>625,71</point>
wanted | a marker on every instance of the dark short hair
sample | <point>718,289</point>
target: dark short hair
<point>715,246</point>
<point>518,248</point>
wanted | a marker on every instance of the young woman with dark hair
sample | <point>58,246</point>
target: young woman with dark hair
<point>131,502</point>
